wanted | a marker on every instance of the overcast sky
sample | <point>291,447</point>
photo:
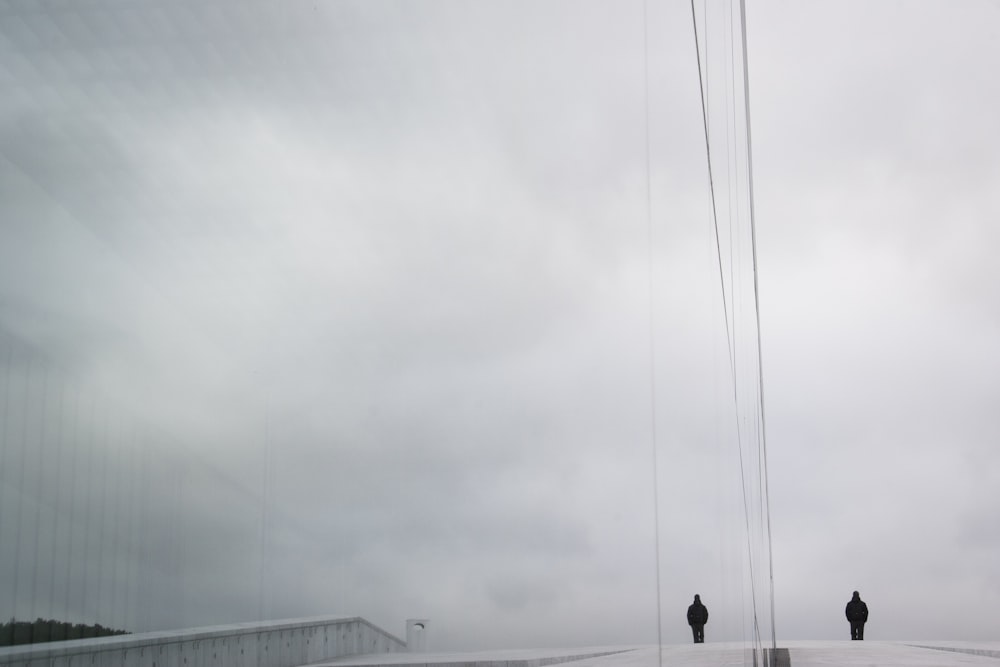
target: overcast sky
<point>347,307</point>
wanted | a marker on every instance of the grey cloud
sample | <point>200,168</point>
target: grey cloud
<point>369,281</point>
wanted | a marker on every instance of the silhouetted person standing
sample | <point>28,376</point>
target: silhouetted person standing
<point>697,618</point>
<point>857,614</point>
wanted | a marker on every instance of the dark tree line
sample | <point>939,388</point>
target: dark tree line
<point>13,633</point>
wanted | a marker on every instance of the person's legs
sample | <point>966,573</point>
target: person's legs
<point>699,631</point>
<point>854,630</point>
<point>861,630</point>
<point>694,633</point>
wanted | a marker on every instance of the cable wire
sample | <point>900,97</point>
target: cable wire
<point>711,187</point>
<point>652,337</point>
<point>729,332</point>
<point>756,303</point>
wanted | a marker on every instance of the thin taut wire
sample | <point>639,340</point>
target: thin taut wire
<point>652,345</point>
<point>756,303</point>
<point>730,334</point>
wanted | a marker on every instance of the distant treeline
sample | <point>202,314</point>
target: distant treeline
<point>13,632</point>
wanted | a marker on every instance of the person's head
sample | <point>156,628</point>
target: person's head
<point>697,598</point>
<point>857,596</point>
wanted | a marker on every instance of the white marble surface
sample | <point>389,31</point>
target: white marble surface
<point>283,643</point>
<point>494,658</point>
<point>802,654</point>
<point>823,654</point>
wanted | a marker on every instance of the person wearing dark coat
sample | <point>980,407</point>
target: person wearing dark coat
<point>697,618</point>
<point>857,614</point>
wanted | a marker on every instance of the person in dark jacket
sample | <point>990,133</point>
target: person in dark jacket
<point>697,618</point>
<point>857,614</point>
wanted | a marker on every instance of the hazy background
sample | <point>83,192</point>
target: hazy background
<point>333,307</point>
